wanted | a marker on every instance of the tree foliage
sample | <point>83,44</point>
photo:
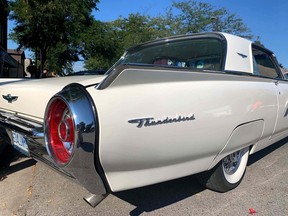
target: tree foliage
<point>106,42</point>
<point>190,16</point>
<point>51,28</point>
<point>134,30</point>
<point>100,46</point>
<point>182,17</point>
<point>64,30</point>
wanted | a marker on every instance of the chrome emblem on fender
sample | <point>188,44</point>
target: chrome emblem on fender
<point>10,98</point>
<point>147,122</point>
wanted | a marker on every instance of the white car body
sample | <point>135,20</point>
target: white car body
<point>157,123</point>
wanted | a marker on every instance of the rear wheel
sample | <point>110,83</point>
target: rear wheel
<point>228,173</point>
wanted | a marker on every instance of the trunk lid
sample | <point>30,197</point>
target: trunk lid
<point>33,95</point>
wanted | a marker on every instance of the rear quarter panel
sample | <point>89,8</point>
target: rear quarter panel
<point>133,157</point>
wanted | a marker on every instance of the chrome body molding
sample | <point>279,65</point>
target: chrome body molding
<point>28,127</point>
<point>32,130</point>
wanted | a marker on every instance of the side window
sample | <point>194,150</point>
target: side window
<point>263,64</point>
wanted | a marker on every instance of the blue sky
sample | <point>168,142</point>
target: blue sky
<point>265,18</point>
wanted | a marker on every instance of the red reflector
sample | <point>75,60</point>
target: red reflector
<point>60,132</point>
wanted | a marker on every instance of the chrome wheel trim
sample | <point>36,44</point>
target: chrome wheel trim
<point>234,165</point>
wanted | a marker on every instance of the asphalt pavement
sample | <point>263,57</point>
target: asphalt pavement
<point>29,188</point>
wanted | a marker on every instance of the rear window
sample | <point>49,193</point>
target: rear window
<point>202,54</point>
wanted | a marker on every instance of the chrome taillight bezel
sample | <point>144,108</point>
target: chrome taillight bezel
<point>84,165</point>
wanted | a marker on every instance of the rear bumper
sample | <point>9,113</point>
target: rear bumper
<point>81,168</point>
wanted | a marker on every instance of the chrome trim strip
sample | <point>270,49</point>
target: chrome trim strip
<point>18,123</point>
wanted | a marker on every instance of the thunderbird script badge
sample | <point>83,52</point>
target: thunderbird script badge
<point>10,98</point>
<point>147,122</point>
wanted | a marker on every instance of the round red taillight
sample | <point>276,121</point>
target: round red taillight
<point>60,132</point>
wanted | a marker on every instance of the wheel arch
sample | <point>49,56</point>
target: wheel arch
<point>244,135</point>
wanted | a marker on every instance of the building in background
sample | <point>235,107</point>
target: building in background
<point>19,57</point>
<point>6,61</point>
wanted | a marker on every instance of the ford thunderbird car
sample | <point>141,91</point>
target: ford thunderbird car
<point>193,104</point>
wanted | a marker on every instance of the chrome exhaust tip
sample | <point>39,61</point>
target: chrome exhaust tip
<point>93,200</point>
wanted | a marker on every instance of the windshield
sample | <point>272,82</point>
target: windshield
<point>202,54</point>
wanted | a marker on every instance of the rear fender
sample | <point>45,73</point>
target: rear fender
<point>244,135</point>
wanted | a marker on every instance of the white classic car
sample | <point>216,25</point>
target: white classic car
<point>169,108</point>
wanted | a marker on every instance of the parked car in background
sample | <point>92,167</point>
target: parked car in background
<point>173,107</point>
<point>88,72</point>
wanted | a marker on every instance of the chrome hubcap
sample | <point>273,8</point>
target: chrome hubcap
<point>231,162</point>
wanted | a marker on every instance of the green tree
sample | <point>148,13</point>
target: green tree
<point>191,16</point>
<point>51,28</point>
<point>100,46</point>
<point>104,43</point>
<point>134,30</point>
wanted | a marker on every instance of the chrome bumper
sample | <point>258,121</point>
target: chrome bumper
<point>81,169</point>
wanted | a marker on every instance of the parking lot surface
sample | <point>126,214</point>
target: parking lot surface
<point>30,188</point>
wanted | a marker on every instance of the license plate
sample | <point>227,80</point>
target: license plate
<point>19,143</point>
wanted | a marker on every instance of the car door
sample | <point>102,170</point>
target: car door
<point>265,66</point>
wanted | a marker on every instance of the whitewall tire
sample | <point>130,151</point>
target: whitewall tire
<point>228,173</point>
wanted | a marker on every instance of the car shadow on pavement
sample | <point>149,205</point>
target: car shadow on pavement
<point>9,165</point>
<point>150,198</point>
